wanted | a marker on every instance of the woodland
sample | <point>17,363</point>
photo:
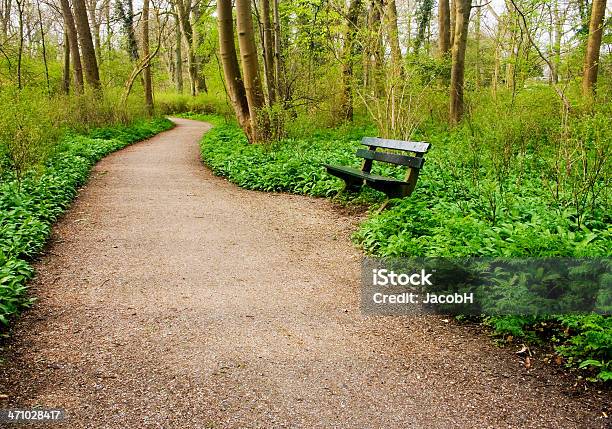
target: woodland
<point>515,97</point>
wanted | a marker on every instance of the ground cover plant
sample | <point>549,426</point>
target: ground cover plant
<point>30,203</point>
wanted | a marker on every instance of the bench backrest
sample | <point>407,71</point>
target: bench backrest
<point>371,154</point>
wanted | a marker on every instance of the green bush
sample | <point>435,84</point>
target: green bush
<point>29,205</point>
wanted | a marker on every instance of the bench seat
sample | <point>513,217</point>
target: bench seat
<point>394,188</point>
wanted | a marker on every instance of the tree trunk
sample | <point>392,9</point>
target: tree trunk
<point>278,58</point>
<point>199,63</point>
<point>66,68</point>
<point>423,19</point>
<point>231,69</point>
<point>95,27</point>
<point>347,63</point>
<point>462,20</point>
<point>453,16</point>
<point>443,27</point>
<point>73,44</point>
<point>393,34</point>
<point>178,69</point>
<point>184,13</point>
<point>268,54</point>
<point>44,48</point>
<point>591,59</point>
<point>90,63</point>
<point>250,68</point>
<point>20,10</point>
<point>6,17</point>
<point>148,84</point>
<point>374,50</point>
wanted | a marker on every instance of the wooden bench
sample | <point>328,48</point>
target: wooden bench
<point>393,188</point>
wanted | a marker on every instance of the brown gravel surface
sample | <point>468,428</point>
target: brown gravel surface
<point>169,298</point>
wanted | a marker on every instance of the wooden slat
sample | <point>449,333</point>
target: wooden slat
<point>419,147</point>
<point>391,158</point>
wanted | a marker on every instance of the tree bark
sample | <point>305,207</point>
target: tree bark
<point>44,48</point>
<point>231,69</point>
<point>184,12</point>
<point>393,34</point>
<point>148,84</point>
<point>66,68</point>
<point>348,59</point>
<point>250,68</point>
<point>178,53</point>
<point>6,16</point>
<point>95,27</point>
<point>374,50</point>
<point>90,63</point>
<point>268,54</point>
<point>591,59</point>
<point>462,20</point>
<point>278,55</point>
<point>443,27</point>
<point>73,44</point>
<point>199,63</point>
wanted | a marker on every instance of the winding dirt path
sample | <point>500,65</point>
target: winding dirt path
<point>169,298</point>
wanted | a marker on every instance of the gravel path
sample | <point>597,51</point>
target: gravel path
<point>169,298</point>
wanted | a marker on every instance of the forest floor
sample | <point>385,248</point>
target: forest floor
<point>171,298</point>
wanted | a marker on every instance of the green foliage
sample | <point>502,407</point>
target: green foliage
<point>587,342</point>
<point>291,165</point>
<point>29,207</point>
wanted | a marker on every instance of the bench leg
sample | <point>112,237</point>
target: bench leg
<point>383,206</point>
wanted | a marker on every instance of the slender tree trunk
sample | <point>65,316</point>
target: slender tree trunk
<point>178,69</point>
<point>95,27</point>
<point>453,17</point>
<point>148,84</point>
<point>462,20</point>
<point>66,68</point>
<point>44,48</point>
<point>6,17</point>
<point>556,43</point>
<point>348,60</point>
<point>268,45</point>
<point>73,44</point>
<point>278,55</point>
<point>231,69</point>
<point>199,63</point>
<point>393,35</point>
<point>374,51</point>
<point>184,11</point>
<point>443,27</point>
<point>591,59</point>
<point>90,63</point>
<point>20,10</point>
<point>250,68</point>
<point>477,24</point>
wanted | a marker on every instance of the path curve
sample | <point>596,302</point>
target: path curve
<point>169,298</point>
